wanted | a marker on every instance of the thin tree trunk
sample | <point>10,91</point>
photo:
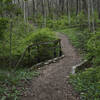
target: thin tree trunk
<point>92,8</point>
<point>77,7</point>
<point>69,12</point>
<point>89,23</point>
<point>25,20</point>
<point>98,7</point>
<point>10,63</point>
<point>33,7</point>
<point>45,12</point>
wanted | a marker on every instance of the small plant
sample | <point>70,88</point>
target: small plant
<point>10,81</point>
<point>59,23</point>
<point>93,46</point>
<point>81,19</point>
<point>87,83</point>
<point>3,26</point>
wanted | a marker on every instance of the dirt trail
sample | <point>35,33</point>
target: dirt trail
<point>52,84</point>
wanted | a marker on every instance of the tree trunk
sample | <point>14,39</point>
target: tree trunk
<point>69,17</point>
<point>10,63</point>
<point>25,19</point>
<point>92,11</point>
<point>89,23</point>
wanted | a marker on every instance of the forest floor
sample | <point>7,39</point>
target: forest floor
<point>52,83</point>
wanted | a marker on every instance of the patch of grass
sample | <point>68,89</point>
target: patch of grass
<point>87,83</point>
<point>79,38</point>
<point>10,81</point>
<point>71,33</point>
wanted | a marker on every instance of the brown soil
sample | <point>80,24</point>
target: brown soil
<point>52,84</point>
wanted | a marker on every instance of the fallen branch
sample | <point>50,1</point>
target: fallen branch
<point>82,66</point>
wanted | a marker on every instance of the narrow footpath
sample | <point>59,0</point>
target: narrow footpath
<point>52,84</point>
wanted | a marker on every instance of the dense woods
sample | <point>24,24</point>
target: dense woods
<point>39,11</point>
<point>24,22</point>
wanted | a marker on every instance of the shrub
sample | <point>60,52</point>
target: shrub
<point>81,19</point>
<point>82,38</point>
<point>51,24</point>
<point>93,46</point>
<point>78,38</point>
<point>60,23</point>
<point>42,35</point>
<point>3,26</point>
<point>20,31</point>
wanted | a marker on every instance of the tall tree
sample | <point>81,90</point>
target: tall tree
<point>89,23</point>
<point>92,11</point>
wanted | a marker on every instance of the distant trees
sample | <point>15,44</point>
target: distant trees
<point>89,23</point>
<point>25,11</point>
<point>3,26</point>
<point>98,7</point>
<point>8,10</point>
<point>47,13</point>
<point>68,7</point>
<point>55,9</point>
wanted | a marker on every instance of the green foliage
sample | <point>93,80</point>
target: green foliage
<point>51,24</point>
<point>93,46</point>
<point>19,32</point>
<point>81,19</point>
<point>10,81</point>
<point>3,26</point>
<point>71,32</point>
<point>17,11</point>
<point>63,22</point>
<point>22,36</point>
<point>87,83</point>
<point>42,35</point>
<point>78,38</point>
<point>8,8</point>
<point>88,43</point>
<point>96,17</point>
<point>6,5</point>
<point>83,38</point>
<point>38,20</point>
<point>60,23</point>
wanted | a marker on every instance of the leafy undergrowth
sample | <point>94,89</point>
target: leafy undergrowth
<point>87,83</point>
<point>12,82</point>
<point>78,38</point>
<point>71,32</point>
<point>86,42</point>
<point>22,36</point>
<point>37,51</point>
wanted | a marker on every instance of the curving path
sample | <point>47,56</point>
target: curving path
<point>52,84</point>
